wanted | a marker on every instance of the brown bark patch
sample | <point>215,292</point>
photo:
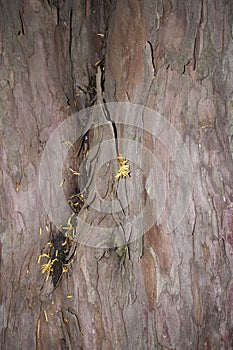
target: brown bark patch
<point>162,245</point>
<point>197,301</point>
<point>98,325</point>
<point>167,321</point>
<point>149,275</point>
<point>206,252</point>
<point>125,57</point>
<point>206,112</point>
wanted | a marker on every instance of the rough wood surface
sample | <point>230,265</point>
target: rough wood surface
<point>166,290</point>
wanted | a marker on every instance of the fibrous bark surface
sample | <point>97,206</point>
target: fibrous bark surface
<point>168,289</point>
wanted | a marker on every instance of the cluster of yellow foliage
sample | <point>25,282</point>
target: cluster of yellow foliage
<point>124,169</point>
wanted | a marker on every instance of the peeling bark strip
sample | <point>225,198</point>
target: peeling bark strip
<point>165,291</point>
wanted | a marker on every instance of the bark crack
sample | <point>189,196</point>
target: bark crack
<point>197,40</point>
<point>23,28</point>
<point>152,56</point>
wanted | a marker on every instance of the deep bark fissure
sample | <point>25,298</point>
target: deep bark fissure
<point>22,24</point>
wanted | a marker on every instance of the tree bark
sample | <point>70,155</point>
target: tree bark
<point>170,287</point>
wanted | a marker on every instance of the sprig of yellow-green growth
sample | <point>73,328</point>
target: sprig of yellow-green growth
<point>61,250</point>
<point>124,168</point>
<point>58,254</point>
<point>123,253</point>
<point>48,268</point>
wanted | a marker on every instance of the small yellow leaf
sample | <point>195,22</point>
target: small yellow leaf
<point>62,183</point>
<point>101,35</point>
<point>43,256</point>
<point>64,268</point>
<point>46,316</point>
<point>74,171</point>
<point>69,220</point>
<point>68,143</point>
<point>97,63</point>
<point>206,126</point>
<point>17,186</point>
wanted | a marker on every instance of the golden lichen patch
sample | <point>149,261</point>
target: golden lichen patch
<point>124,168</point>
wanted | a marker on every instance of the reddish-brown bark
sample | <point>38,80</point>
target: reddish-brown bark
<point>166,290</point>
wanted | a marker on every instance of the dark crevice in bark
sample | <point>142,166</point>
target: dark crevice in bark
<point>22,24</point>
<point>70,56</point>
<point>152,57</point>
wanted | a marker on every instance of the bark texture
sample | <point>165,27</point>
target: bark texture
<point>165,290</point>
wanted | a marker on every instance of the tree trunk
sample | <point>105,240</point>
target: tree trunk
<point>165,280</point>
